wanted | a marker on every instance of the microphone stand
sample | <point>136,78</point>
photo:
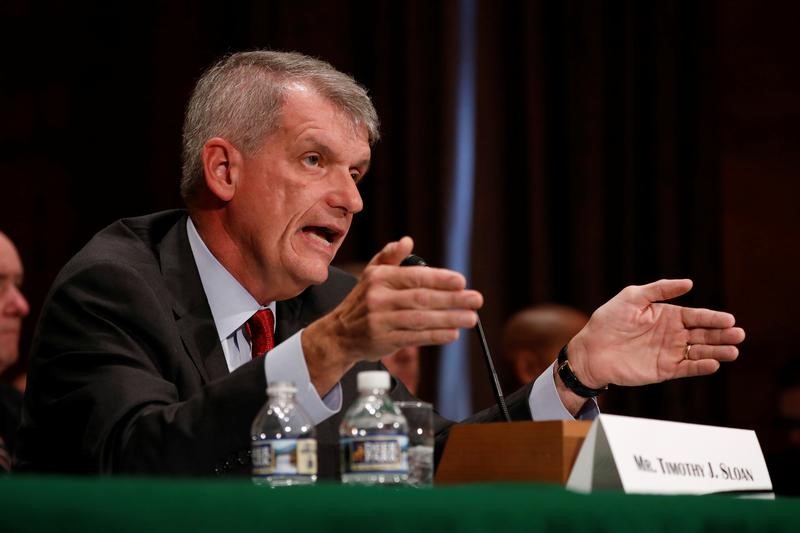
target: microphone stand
<point>498,392</point>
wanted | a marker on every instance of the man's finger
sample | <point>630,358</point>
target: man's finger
<point>724,354</point>
<point>706,318</point>
<point>416,278</point>
<point>429,337</point>
<point>419,320</point>
<point>434,299</point>
<point>665,289</point>
<point>689,369</point>
<point>716,336</point>
<point>390,299</point>
<point>394,252</point>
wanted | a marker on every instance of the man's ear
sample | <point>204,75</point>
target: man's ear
<point>221,167</point>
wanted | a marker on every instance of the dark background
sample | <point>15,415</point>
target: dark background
<point>618,142</point>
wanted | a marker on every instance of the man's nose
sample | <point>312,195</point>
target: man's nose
<point>346,194</point>
<point>15,303</point>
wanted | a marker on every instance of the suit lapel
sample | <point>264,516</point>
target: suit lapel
<point>190,306</point>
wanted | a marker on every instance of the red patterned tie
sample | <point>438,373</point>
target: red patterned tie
<point>259,330</point>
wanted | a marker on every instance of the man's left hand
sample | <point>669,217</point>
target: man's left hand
<point>636,339</point>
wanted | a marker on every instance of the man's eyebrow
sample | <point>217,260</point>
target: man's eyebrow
<point>312,143</point>
<point>364,165</point>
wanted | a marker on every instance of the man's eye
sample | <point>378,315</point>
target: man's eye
<point>356,176</point>
<point>312,160</point>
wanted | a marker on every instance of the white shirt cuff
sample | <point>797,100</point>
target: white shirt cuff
<point>286,362</point>
<point>545,403</point>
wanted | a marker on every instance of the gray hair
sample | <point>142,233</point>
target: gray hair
<point>240,98</point>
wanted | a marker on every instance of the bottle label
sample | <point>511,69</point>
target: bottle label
<point>284,457</point>
<point>378,453</point>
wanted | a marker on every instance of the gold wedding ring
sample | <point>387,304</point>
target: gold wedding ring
<point>686,350</point>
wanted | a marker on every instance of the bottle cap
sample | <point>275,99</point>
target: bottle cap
<point>373,379</point>
<point>278,387</point>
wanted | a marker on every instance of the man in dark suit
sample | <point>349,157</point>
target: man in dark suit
<point>142,358</point>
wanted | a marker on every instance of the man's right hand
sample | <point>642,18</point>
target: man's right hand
<point>391,307</point>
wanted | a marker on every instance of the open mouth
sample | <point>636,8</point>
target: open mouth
<point>323,234</point>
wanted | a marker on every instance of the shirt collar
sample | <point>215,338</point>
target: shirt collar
<point>231,305</point>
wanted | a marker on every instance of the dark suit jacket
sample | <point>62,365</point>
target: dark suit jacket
<point>10,407</point>
<point>127,374</point>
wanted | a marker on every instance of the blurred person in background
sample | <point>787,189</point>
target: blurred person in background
<point>783,459</point>
<point>13,308</point>
<point>404,365</point>
<point>533,336</point>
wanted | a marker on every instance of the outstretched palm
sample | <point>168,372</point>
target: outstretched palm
<point>634,339</point>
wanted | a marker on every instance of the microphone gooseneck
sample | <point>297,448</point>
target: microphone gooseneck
<point>415,260</point>
<point>498,392</point>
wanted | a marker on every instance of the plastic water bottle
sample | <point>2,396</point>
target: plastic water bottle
<point>373,436</point>
<point>284,442</point>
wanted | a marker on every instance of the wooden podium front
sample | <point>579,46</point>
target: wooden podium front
<point>511,451</point>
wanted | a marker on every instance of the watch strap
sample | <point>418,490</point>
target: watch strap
<point>571,380</point>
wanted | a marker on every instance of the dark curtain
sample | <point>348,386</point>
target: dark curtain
<point>596,163</point>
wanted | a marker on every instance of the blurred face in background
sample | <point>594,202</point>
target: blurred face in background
<point>13,306</point>
<point>404,365</point>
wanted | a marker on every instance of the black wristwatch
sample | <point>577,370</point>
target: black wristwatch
<point>571,380</point>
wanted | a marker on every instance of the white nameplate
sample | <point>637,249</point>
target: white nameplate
<point>640,455</point>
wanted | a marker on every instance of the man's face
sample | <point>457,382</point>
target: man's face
<point>295,198</point>
<point>13,306</point>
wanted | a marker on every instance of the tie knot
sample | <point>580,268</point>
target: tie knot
<point>259,330</point>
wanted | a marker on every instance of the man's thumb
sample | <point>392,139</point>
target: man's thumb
<point>394,252</point>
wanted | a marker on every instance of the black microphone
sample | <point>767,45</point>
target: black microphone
<point>415,260</point>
